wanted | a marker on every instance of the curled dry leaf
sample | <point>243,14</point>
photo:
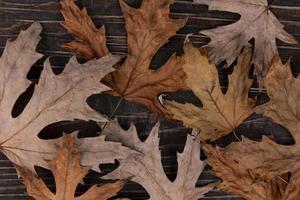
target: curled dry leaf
<point>148,28</point>
<point>284,91</point>
<point>268,160</point>
<point>221,113</point>
<point>144,165</point>
<point>238,179</point>
<point>257,21</point>
<point>292,191</point>
<point>55,98</point>
<point>68,173</point>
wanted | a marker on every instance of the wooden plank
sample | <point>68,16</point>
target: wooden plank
<point>18,14</point>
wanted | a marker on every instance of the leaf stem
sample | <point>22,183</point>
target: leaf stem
<point>236,136</point>
<point>271,4</point>
<point>112,114</point>
<point>280,178</point>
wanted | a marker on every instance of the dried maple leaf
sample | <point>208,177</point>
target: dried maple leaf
<point>221,113</point>
<point>55,98</point>
<point>144,165</point>
<point>267,159</point>
<point>68,173</point>
<point>148,28</point>
<point>90,41</point>
<point>257,21</point>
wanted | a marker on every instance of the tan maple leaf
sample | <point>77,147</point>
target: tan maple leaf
<point>144,165</point>
<point>68,173</point>
<point>257,21</point>
<point>266,159</point>
<point>148,28</point>
<point>221,113</point>
<point>55,98</point>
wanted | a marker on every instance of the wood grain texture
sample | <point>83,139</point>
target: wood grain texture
<point>18,14</point>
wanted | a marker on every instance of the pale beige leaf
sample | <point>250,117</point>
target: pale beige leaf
<point>257,21</point>
<point>68,173</point>
<point>55,98</point>
<point>144,165</point>
<point>96,150</point>
<point>221,113</point>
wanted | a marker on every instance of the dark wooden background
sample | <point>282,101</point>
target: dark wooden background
<point>18,14</point>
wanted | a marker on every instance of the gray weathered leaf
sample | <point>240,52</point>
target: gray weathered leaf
<point>55,98</point>
<point>144,165</point>
<point>257,21</point>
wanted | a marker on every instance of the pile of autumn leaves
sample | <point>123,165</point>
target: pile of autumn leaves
<point>254,170</point>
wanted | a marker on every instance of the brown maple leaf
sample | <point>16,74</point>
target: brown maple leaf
<point>266,159</point>
<point>221,113</point>
<point>257,21</point>
<point>90,42</point>
<point>148,28</point>
<point>55,98</point>
<point>144,165</point>
<point>68,173</point>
